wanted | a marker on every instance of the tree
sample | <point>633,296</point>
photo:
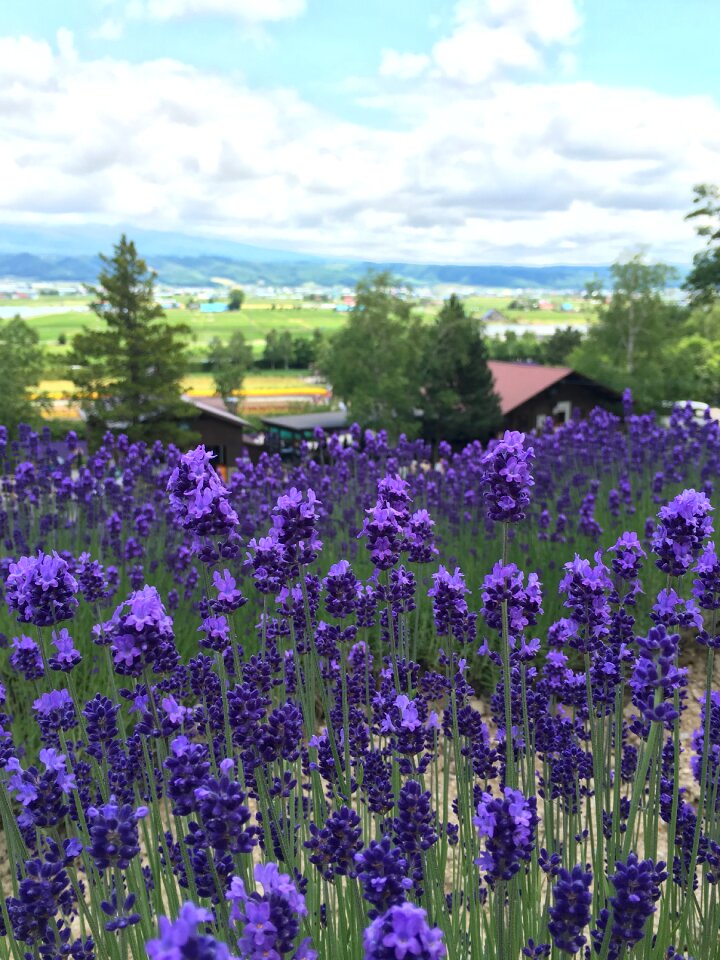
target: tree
<point>560,344</point>
<point>457,391</point>
<point>237,299</point>
<point>703,281</point>
<point>278,349</point>
<point>22,364</point>
<point>129,375</point>
<point>373,361</point>
<point>625,347</point>
<point>229,363</point>
<point>593,290</point>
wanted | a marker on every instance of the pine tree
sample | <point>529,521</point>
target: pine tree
<point>457,394</point>
<point>128,376</point>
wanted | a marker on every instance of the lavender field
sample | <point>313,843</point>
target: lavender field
<point>371,707</point>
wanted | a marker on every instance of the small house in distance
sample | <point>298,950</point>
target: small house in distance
<point>221,431</point>
<point>284,434</point>
<point>530,393</point>
<point>493,316</point>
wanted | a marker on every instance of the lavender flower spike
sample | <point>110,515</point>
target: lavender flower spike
<point>507,478</point>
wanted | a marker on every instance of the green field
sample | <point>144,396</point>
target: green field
<point>255,320</point>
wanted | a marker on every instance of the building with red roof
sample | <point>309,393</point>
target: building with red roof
<point>530,393</point>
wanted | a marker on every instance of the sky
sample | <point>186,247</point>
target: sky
<point>443,131</point>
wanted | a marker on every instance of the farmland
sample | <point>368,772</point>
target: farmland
<point>256,319</point>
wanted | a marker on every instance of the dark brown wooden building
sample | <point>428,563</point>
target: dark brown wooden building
<point>220,430</point>
<point>529,393</point>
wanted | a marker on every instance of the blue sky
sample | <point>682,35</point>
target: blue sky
<point>572,130</point>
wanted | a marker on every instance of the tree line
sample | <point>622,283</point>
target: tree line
<point>393,368</point>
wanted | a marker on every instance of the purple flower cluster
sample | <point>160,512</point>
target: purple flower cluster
<point>507,478</point>
<point>508,826</point>
<point>403,932</point>
<point>198,498</point>
<point>683,526</point>
<point>41,589</point>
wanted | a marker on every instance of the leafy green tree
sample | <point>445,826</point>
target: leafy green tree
<point>22,364</point>
<point>560,344</point>
<point>525,348</point>
<point>129,375</point>
<point>229,363</point>
<point>237,299</point>
<point>457,392</point>
<point>278,349</point>
<point>703,281</point>
<point>626,345</point>
<point>373,361</point>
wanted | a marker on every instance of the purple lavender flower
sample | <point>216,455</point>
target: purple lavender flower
<point>114,834</point>
<point>200,502</point>
<point>670,610</point>
<point>570,912</point>
<point>101,726</point>
<point>55,711</point>
<point>384,535</point>
<point>91,578</point>
<point>268,921</point>
<point>42,795</point>
<point>419,538</point>
<point>334,845</point>
<point>507,583</point>
<point>26,658</point>
<point>180,940</point>
<point>586,588</point>
<point>341,590</point>
<point>684,523</point>
<point>713,745</point>
<point>403,932</point>
<point>229,598</point>
<point>41,589</point>
<point>450,608</point>
<point>507,478</point>
<point>381,869</point>
<point>637,889</point>
<point>141,635</point>
<point>44,896</point>
<point>655,676</point>
<point>67,657</point>
<point>215,633</point>
<point>509,828</point>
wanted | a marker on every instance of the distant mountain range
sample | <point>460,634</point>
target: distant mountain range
<point>67,253</point>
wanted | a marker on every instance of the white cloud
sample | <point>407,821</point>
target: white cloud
<point>505,171</point>
<point>250,11</point>
<point>406,66</point>
<point>474,53</point>
<point>491,37</point>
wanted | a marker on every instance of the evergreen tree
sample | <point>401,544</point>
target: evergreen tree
<point>229,363</point>
<point>457,393</point>
<point>128,376</point>
<point>22,364</point>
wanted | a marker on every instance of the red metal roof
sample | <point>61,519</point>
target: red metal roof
<point>515,383</point>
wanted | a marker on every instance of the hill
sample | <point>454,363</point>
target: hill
<point>200,271</point>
